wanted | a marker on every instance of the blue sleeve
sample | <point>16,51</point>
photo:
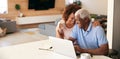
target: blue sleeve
<point>101,36</point>
<point>74,32</point>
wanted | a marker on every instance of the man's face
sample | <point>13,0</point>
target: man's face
<point>79,21</point>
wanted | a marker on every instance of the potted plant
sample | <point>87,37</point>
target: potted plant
<point>93,17</point>
<point>18,7</point>
<point>78,2</point>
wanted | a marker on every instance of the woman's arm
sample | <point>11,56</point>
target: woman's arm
<point>59,34</point>
<point>59,31</point>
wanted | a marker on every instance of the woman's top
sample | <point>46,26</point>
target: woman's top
<point>62,27</point>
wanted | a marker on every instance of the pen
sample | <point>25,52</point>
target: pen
<point>49,49</point>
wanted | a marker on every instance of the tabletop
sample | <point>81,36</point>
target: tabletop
<point>31,50</point>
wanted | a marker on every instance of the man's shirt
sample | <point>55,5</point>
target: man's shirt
<point>92,38</point>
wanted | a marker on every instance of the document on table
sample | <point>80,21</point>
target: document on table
<point>100,57</point>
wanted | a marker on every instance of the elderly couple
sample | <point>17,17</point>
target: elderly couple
<point>76,25</point>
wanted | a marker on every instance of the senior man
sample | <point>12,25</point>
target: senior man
<point>89,39</point>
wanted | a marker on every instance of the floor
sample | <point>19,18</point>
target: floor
<point>22,36</point>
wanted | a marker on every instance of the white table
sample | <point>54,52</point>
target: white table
<point>31,51</point>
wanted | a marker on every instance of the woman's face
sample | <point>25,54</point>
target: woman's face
<point>71,20</point>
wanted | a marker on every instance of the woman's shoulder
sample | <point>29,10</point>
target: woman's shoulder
<point>62,21</point>
<point>61,24</point>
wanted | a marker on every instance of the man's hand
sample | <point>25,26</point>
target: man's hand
<point>77,48</point>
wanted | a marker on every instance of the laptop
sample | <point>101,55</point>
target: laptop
<point>63,47</point>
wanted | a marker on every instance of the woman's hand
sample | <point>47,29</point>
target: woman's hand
<point>96,23</point>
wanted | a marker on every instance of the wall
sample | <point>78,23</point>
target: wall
<point>113,24</point>
<point>13,13</point>
<point>116,26</point>
<point>95,6</point>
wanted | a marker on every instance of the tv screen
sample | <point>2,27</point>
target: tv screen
<point>41,4</point>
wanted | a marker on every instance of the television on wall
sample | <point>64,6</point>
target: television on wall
<point>41,4</point>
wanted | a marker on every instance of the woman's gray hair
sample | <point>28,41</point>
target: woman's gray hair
<point>82,13</point>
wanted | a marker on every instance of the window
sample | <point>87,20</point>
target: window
<point>67,2</point>
<point>3,6</point>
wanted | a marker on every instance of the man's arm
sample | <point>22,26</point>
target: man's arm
<point>102,50</point>
<point>72,39</point>
<point>102,42</point>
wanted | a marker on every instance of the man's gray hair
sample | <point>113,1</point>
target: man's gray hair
<point>82,13</point>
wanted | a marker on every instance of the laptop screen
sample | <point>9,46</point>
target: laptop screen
<point>63,47</point>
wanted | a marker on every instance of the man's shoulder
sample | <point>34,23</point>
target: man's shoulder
<point>76,26</point>
<point>98,28</point>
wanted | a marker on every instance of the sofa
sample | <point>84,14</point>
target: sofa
<point>48,28</point>
<point>9,25</point>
